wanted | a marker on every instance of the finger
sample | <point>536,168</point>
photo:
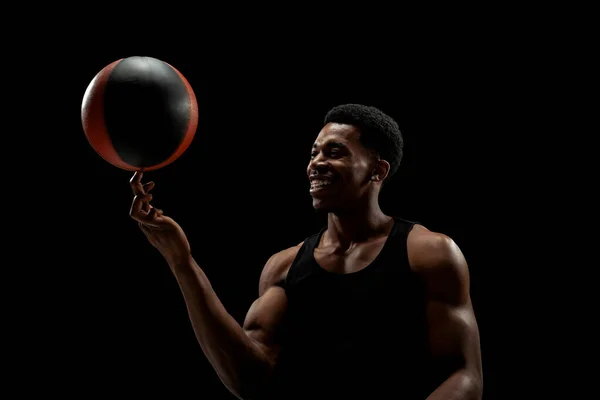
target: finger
<point>139,206</point>
<point>151,221</point>
<point>147,187</point>
<point>136,183</point>
<point>154,213</point>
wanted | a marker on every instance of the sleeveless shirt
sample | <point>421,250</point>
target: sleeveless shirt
<point>361,335</point>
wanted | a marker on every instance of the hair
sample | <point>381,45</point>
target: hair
<point>378,131</point>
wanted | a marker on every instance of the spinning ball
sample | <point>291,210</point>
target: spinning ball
<point>139,113</point>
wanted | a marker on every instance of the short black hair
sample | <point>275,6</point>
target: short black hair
<point>378,131</point>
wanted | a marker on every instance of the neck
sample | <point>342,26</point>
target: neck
<point>357,226</point>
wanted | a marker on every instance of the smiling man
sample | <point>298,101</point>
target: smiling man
<point>372,306</point>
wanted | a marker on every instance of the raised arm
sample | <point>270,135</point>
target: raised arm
<point>453,329</point>
<point>243,357</point>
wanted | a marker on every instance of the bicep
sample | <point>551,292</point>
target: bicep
<point>454,334</point>
<point>453,330</point>
<point>264,318</point>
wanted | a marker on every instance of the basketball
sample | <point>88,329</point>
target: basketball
<point>139,113</point>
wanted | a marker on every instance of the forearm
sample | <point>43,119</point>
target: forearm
<point>461,385</point>
<point>234,356</point>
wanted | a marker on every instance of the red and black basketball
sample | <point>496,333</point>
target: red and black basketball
<point>139,113</point>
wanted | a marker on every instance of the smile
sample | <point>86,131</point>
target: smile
<point>319,184</point>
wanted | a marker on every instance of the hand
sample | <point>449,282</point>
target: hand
<point>162,231</point>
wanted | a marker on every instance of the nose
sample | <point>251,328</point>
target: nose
<point>318,164</point>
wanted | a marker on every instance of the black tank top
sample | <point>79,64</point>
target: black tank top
<point>361,335</point>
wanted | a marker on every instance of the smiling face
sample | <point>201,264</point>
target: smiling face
<point>340,168</point>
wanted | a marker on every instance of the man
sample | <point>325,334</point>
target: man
<point>370,307</point>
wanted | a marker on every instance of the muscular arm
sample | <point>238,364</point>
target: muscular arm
<point>453,330</point>
<point>242,356</point>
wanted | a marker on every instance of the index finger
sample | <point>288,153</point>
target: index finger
<point>136,183</point>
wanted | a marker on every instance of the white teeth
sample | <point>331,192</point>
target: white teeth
<point>318,184</point>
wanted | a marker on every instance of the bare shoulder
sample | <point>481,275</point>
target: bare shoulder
<point>437,258</point>
<point>428,249</point>
<point>276,267</point>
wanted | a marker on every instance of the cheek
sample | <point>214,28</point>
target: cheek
<point>354,177</point>
<point>361,171</point>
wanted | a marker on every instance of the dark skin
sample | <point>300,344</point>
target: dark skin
<point>244,356</point>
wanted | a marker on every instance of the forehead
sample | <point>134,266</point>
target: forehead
<point>334,132</point>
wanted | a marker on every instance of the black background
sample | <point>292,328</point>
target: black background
<point>116,319</point>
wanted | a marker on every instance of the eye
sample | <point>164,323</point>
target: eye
<point>334,153</point>
<point>330,152</point>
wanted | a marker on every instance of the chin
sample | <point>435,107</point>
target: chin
<point>317,204</point>
<point>323,206</point>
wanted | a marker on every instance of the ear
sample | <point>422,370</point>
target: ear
<point>381,170</point>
